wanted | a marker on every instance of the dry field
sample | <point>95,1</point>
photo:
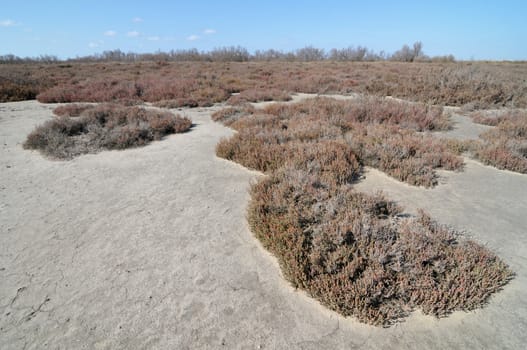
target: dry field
<point>154,246</point>
<point>477,85</point>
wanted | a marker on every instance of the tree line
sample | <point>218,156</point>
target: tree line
<point>241,54</point>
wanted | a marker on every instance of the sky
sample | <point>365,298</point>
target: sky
<point>468,29</point>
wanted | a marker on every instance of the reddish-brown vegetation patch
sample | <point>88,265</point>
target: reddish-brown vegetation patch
<point>17,89</point>
<point>72,110</point>
<point>259,95</point>
<point>479,85</point>
<point>353,251</point>
<point>103,127</point>
<point>379,131</point>
<point>504,146</point>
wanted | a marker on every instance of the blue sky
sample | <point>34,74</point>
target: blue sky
<point>467,29</point>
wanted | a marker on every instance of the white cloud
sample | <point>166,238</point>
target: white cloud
<point>193,37</point>
<point>133,34</point>
<point>7,23</point>
<point>209,31</point>
<point>110,33</point>
<point>94,44</point>
<point>154,38</point>
<point>137,20</point>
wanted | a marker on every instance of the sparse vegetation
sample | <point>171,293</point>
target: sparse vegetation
<point>352,251</point>
<point>100,127</point>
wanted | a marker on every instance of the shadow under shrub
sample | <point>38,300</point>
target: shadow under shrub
<point>100,127</point>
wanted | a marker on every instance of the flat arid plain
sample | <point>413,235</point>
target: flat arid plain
<point>155,247</point>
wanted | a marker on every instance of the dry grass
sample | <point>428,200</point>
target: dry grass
<point>504,146</point>
<point>101,127</point>
<point>352,251</point>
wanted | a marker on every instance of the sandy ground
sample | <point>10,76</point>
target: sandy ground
<point>149,248</point>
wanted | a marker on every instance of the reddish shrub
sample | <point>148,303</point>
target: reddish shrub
<point>17,90</point>
<point>352,251</point>
<point>373,128</point>
<point>103,127</point>
<point>505,146</point>
<point>257,95</point>
<point>71,110</point>
<point>478,85</point>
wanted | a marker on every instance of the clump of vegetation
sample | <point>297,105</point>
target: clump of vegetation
<point>495,117</point>
<point>18,89</point>
<point>259,95</point>
<point>72,110</point>
<point>105,126</point>
<point>504,146</point>
<point>403,154</point>
<point>352,251</point>
<point>478,85</point>
<point>381,132</point>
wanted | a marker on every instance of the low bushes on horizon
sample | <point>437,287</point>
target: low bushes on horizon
<point>105,126</point>
<point>472,84</point>
<point>352,251</point>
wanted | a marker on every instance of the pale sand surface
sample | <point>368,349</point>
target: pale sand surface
<point>149,248</point>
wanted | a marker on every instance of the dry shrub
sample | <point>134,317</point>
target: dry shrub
<point>403,154</point>
<point>229,115</point>
<point>72,110</point>
<point>505,146</point>
<point>495,117</point>
<point>177,103</point>
<point>380,132</point>
<point>258,95</point>
<point>208,96</point>
<point>105,126</point>
<point>17,90</point>
<point>416,116</point>
<point>352,251</point>
<point>168,93</point>
<point>478,85</point>
<point>91,90</point>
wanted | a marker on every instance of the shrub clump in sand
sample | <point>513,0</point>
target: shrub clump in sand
<point>353,251</point>
<point>504,146</point>
<point>105,126</point>
<point>259,95</point>
<point>380,132</point>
